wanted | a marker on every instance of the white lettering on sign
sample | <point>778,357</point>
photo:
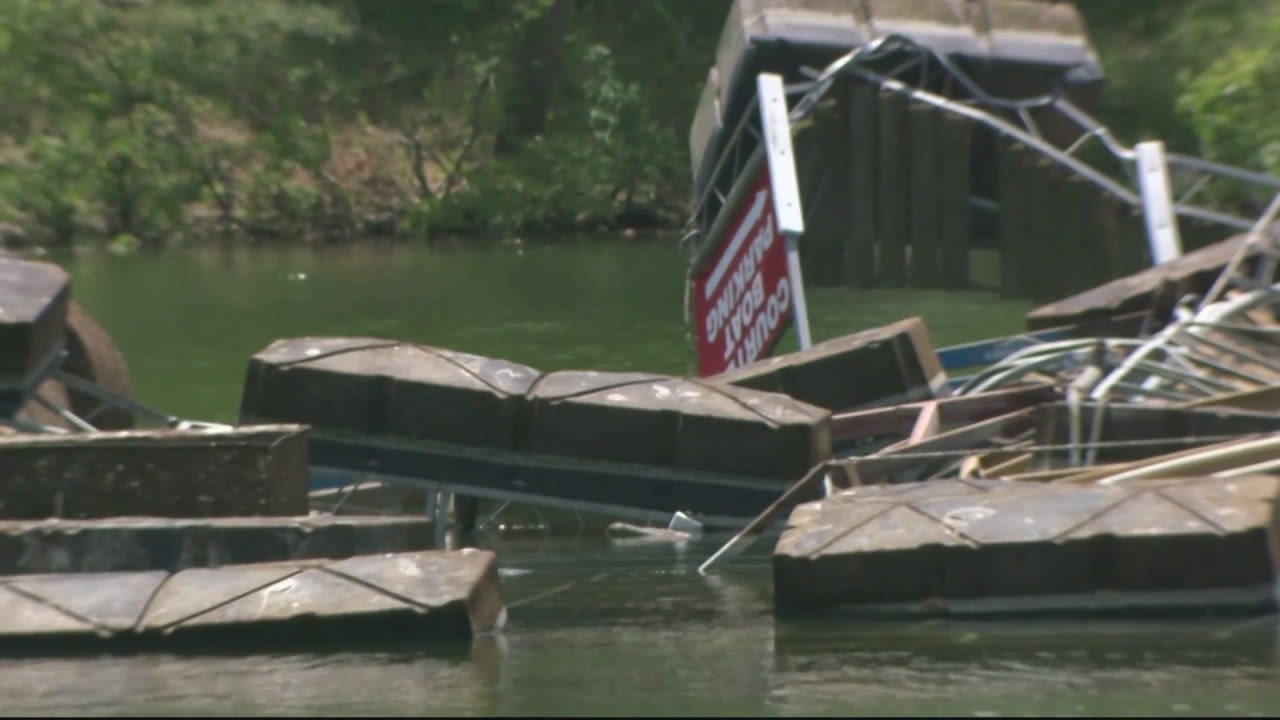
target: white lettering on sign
<point>764,321</point>
<point>743,291</point>
<point>744,298</point>
<point>748,222</point>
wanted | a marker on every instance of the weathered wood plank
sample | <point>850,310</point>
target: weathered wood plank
<point>961,409</point>
<point>1193,272</point>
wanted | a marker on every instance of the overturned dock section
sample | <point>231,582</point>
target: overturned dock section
<point>1154,290</point>
<point>33,325</point>
<point>639,445</point>
<point>429,596</point>
<point>993,547</point>
<point>880,366</point>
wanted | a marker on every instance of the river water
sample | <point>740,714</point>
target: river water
<point>596,628</point>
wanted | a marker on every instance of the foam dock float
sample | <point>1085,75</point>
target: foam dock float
<point>1001,547</point>
<point>137,544</point>
<point>635,445</point>
<point>422,596</point>
<point>894,363</point>
<point>191,473</point>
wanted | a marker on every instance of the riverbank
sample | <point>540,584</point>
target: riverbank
<point>369,186</point>
<point>144,124</point>
<point>149,124</point>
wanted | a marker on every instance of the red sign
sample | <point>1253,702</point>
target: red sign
<point>741,298</point>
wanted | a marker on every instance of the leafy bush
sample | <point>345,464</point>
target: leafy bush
<point>312,118</point>
<point>151,120</point>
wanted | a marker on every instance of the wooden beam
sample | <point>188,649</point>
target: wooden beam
<point>901,419</point>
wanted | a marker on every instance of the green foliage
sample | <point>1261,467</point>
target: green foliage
<point>325,117</point>
<point>1162,58</point>
<point>119,105</point>
<point>1234,101</point>
<point>143,121</point>
<point>609,158</point>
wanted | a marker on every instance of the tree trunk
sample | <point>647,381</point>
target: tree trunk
<point>528,97</point>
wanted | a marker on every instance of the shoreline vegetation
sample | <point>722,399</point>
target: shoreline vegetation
<point>145,123</point>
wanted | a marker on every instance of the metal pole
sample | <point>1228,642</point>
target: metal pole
<point>799,311</point>
<point>785,189</point>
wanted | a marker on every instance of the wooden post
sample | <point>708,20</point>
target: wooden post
<point>1132,248</point>
<point>955,140</point>
<point>923,194</point>
<point>1083,254</point>
<point>825,191</point>
<point>1107,219</point>
<point>1014,191</point>
<point>1098,227</point>
<point>1196,233</point>
<point>860,244</point>
<point>1053,252</point>
<point>894,204</point>
<point>827,223</point>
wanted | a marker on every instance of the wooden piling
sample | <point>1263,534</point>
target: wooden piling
<point>1087,255</point>
<point>955,145</point>
<point>826,191</point>
<point>1014,193</point>
<point>860,244</point>
<point>1133,252</point>
<point>894,215</point>
<point>1107,222</point>
<point>1053,251</point>
<point>810,172</point>
<point>1196,233</point>
<point>923,194</point>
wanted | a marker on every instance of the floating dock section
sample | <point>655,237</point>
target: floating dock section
<point>994,547</point>
<point>890,364</point>
<point>138,544</point>
<point>638,444</point>
<point>424,596</point>
<point>635,445</point>
<point>200,473</point>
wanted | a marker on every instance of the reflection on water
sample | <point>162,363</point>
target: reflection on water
<point>601,630</point>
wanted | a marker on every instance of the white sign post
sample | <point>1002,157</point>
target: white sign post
<point>776,128</point>
<point>1157,202</point>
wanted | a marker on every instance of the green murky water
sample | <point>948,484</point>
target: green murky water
<point>596,628</point>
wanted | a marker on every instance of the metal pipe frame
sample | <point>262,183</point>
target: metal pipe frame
<point>855,63</point>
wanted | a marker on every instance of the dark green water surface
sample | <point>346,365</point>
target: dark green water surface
<point>595,628</point>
